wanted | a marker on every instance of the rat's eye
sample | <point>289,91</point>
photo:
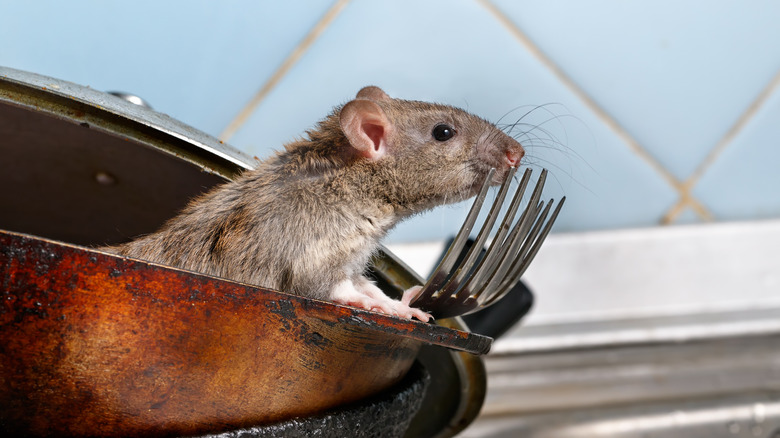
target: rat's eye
<point>442,132</point>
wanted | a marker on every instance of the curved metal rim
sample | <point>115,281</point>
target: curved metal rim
<point>117,116</point>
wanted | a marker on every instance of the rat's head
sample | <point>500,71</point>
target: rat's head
<point>425,154</point>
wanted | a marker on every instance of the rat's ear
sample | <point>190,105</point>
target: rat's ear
<point>372,92</point>
<point>366,126</point>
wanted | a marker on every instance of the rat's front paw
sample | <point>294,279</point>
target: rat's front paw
<point>389,306</point>
<point>402,308</point>
<point>366,303</point>
<point>372,299</point>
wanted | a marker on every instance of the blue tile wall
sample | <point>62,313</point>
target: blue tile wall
<point>743,183</point>
<point>674,76</point>
<point>198,61</point>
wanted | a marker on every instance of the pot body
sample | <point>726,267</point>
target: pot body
<point>97,345</point>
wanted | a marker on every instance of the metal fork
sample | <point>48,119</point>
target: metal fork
<point>481,282</point>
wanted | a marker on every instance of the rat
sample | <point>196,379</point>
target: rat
<point>308,219</point>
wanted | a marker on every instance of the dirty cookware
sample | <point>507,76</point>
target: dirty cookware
<point>94,344</point>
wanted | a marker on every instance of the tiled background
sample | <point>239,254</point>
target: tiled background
<point>646,113</point>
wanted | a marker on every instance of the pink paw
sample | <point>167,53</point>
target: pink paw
<point>372,299</point>
<point>367,303</point>
<point>388,306</point>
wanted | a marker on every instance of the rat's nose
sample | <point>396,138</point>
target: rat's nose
<point>514,153</point>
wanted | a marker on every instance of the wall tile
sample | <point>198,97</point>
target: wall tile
<point>743,182</point>
<point>198,61</point>
<point>676,75</point>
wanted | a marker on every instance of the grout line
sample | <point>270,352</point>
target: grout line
<point>738,126</point>
<point>589,102</point>
<point>681,187</point>
<point>686,200</point>
<point>283,69</point>
<point>728,138</point>
<point>673,212</point>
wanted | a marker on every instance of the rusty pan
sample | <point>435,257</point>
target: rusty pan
<point>94,344</point>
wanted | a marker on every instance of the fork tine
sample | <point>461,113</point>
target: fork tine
<point>502,284</point>
<point>519,235</point>
<point>463,299</point>
<point>442,271</point>
<point>497,249</point>
<point>479,281</point>
<point>455,280</point>
<point>512,248</point>
<point>445,297</point>
<point>511,279</point>
<point>527,258</point>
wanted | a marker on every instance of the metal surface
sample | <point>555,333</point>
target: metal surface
<point>697,377</point>
<point>90,168</point>
<point>118,117</point>
<point>602,376</point>
<point>132,98</point>
<point>754,415</point>
<point>386,415</point>
<point>479,279</point>
<point>94,344</point>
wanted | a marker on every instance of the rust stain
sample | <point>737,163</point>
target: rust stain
<point>94,344</point>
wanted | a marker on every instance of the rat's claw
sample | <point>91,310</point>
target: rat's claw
<point>384,307</point>
<point>410,312</point>
<point>419,314</point>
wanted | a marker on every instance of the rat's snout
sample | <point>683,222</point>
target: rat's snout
<point>500,151</point>
<point>514,152</point>
<point>513,156</point>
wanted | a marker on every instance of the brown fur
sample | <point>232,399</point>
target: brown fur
<point>312,215</point>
